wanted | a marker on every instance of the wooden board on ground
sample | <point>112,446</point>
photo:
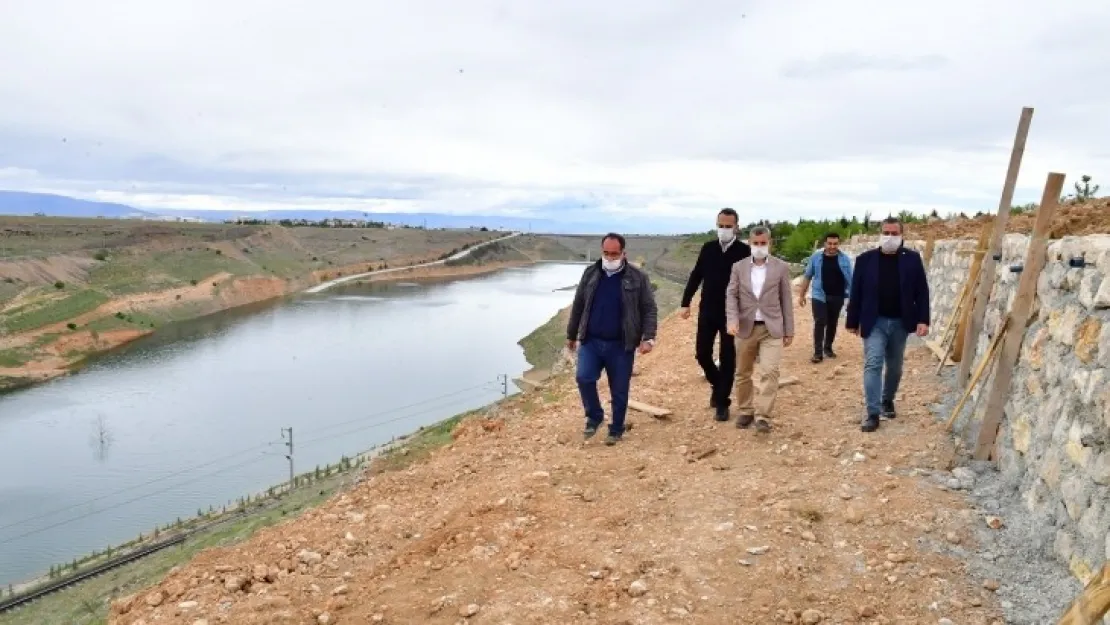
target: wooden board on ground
<point>788,381</point>
<point>654,411</point>
<point>940,353</point>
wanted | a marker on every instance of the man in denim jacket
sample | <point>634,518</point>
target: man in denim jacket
<point>830,272</point>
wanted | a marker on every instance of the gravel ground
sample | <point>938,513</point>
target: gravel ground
<point>1035,588</point>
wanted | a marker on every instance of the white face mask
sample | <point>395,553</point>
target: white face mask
<point>890,242</point>
<point>759,252</point>
<point>611,265</point>
<point>726,235</point>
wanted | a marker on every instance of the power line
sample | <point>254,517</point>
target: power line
<point>131,488</point>
<point>485,385</point>
<point>132,500</point>
<point>368,426</point>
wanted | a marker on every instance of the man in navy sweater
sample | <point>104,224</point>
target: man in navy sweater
<point>613,314</point>
<point>889,299</point>
<point>711,272</point>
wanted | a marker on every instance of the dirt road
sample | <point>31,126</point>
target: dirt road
<point>687,520</point>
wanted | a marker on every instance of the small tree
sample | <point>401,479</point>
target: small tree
<point>1086,190</point>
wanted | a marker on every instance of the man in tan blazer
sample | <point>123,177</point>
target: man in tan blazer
<point>759,307</point>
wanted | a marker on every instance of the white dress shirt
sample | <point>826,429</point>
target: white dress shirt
<point>759,276</point>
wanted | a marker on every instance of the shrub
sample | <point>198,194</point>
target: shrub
<point>101,255</point>
<point>71,325</point>
<point>59,285</point>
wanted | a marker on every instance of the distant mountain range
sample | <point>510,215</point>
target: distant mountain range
<point>23,203</point>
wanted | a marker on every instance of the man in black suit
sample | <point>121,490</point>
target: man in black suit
<point>712,271</point>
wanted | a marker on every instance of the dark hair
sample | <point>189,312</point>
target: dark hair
<point>832,235</point>
<point>730,213</point>
<point>613,235</point>
<point>894,220</point>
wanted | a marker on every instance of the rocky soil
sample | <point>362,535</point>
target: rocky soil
<point>685,521</point>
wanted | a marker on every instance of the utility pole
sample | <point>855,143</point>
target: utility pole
<point>504,378</point>
<point>289,456</point>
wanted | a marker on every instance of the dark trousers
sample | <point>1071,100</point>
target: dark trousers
<point>826,316</point>
<point>710,330</point>
<point>611,356</point>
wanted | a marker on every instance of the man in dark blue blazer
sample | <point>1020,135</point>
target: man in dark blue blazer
<point>888,300</point>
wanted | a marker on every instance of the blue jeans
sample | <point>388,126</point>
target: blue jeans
<point>593,356</point>
<point>885,345</point>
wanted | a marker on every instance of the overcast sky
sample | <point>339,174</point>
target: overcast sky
<point>639,112</point>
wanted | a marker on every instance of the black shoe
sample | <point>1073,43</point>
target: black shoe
<point>816,358</point>
<point>888,411</point>
<point>612,439</point>
<point>721,414</point>
<point>744,420</point>
<point>763,426</point>
<point>829,353</point>
<point>589,432</point>
<point>870,424</point>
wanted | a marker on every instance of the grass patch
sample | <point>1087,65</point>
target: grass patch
<point>13,358</point>
<point>419,445</point>
<point>55,311</point>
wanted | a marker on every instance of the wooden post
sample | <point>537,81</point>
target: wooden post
<point>1019,316</point>
<point>1092,604</point>
<point>982,292</point>
<point>930,242</point>
<point>984,364</point>
<point>958,350</point>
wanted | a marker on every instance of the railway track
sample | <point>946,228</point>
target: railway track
<point>16,601</point>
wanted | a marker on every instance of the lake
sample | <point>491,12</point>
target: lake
<point>192,416</point>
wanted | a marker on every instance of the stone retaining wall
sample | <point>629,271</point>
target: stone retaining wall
<point>1054,445</point>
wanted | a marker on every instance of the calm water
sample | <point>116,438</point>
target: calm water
<point>192,416</point>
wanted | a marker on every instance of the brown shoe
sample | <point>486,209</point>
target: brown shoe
<point>763,426</point>
<point>744,420</point>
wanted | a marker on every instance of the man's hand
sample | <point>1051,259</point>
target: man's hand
<point>922,329</point>
<point>854,331</point>
<point>645,347</point>
<point>787,340</point>
<point>572,345</point>
<point>685,312</point>
<point>733,330</point>
<point>802,299</point>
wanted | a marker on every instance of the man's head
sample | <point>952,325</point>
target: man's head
<point>759,238</point>
<point>612,251</point>
<point>890,235</point>
<point>832,244</point>
<point>727,221</point>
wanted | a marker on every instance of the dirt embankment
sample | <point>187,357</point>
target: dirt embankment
<point>1071,219</point>
<point>687,520</point>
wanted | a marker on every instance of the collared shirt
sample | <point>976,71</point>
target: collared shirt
<point>759,276</point>
<point>725,246</point>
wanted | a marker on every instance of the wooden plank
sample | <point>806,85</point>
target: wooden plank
<point>939,352</point>
<point>1092,604</point>
<point>982,290</point>
<point>930,243</point>
<point>654,411</point>
<point>788,381</point>
<point>1019,315</point>
<point>962,336</point>
<point>984,364</point>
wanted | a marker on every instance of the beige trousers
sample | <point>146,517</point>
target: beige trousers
<point>750,398</point>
